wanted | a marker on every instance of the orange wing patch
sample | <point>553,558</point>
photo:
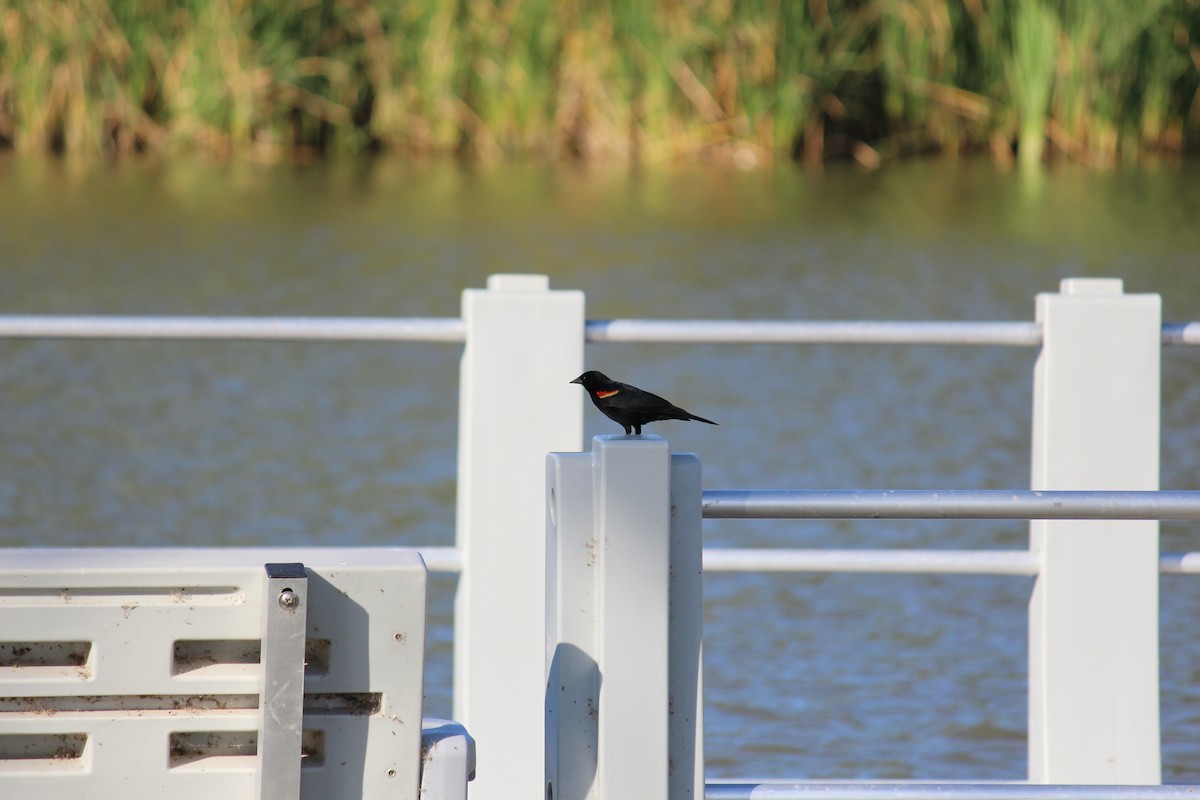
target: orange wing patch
<point>603,395</point>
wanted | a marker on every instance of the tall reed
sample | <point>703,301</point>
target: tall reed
<point>1030,70</point>
<point>748,81</point>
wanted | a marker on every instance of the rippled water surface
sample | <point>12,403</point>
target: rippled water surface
<point>816,676</point>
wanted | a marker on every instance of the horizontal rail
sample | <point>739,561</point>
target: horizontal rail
<point>452,329</point>
<point>942,791</point>
<point>442,559</point>
<point>1179,563</point>
<point>1181,333</point>
<point>962,562</point>
<point>361,329</point>
<point>956,562</point>
<point>1026,334</point>
<point>1016,334</point>
<point>969,504</point>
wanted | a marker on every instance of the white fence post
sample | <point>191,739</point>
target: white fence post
<point>623,708</point>
<point>1093,632</point>
<point>524,344</point>
<point>686,723</point>
<point>573,674</point>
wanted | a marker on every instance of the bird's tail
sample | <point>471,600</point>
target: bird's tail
<point>701,419</point>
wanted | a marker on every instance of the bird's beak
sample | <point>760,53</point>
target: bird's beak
<point>578,380</point>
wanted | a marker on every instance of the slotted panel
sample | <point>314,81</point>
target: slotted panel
<point>135,673</point>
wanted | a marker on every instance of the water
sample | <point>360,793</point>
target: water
<point>815,676</point>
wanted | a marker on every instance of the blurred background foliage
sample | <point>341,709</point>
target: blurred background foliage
<point>752,81</point>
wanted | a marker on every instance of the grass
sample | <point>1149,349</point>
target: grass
<point>747,81</point>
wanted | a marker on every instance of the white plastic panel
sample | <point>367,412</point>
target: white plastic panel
<point>161,651</point>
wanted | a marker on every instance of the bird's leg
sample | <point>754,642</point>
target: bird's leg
<point>627,429</point>
<point>637,429</point>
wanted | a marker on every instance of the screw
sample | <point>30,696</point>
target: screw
<point>289,599</point>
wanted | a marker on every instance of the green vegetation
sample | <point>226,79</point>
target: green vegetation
<point>744,80</point>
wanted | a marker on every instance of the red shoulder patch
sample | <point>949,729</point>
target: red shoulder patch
<point>603,395</point>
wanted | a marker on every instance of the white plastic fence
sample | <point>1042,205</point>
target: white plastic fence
<point>1095,411</point>
<point>623,527</point>
<point>218,673</point>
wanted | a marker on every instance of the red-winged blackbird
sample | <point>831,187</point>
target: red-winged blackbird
<point>629,406</point>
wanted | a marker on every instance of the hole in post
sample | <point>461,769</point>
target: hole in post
<point>343,703</point>
<point>316,657</point>
<point>23,655</point>
<point>312,748</point>
<point>187,747</point>
<point>41,746</point>
<point>214,655</point>
<point>191,655</point>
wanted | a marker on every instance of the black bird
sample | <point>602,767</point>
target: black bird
<point>629,406</point>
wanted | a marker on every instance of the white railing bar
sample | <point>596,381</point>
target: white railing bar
<point>451,329</point>
<point>942,791</point>
<point>1181,333</point>
<point>368,329</point>
<point>963,504</point>
<point>1026,334</point>
<point>442,559</point>
<point>1179,563</point>
<point>963,562</point>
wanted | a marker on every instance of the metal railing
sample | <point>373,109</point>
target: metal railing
<point>623,566</point>
<point>953,562</point>
<point>971,504</point>
<point>942,791</point>
<point>932,505</point>
<point>947,562</point>
<point>452,329</point>
<point>517,319</point>
<point>1023,334</point>
<point>341,329</point>
<point>905,504</point>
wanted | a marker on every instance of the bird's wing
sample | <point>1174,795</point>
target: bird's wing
<point>635,399</point>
